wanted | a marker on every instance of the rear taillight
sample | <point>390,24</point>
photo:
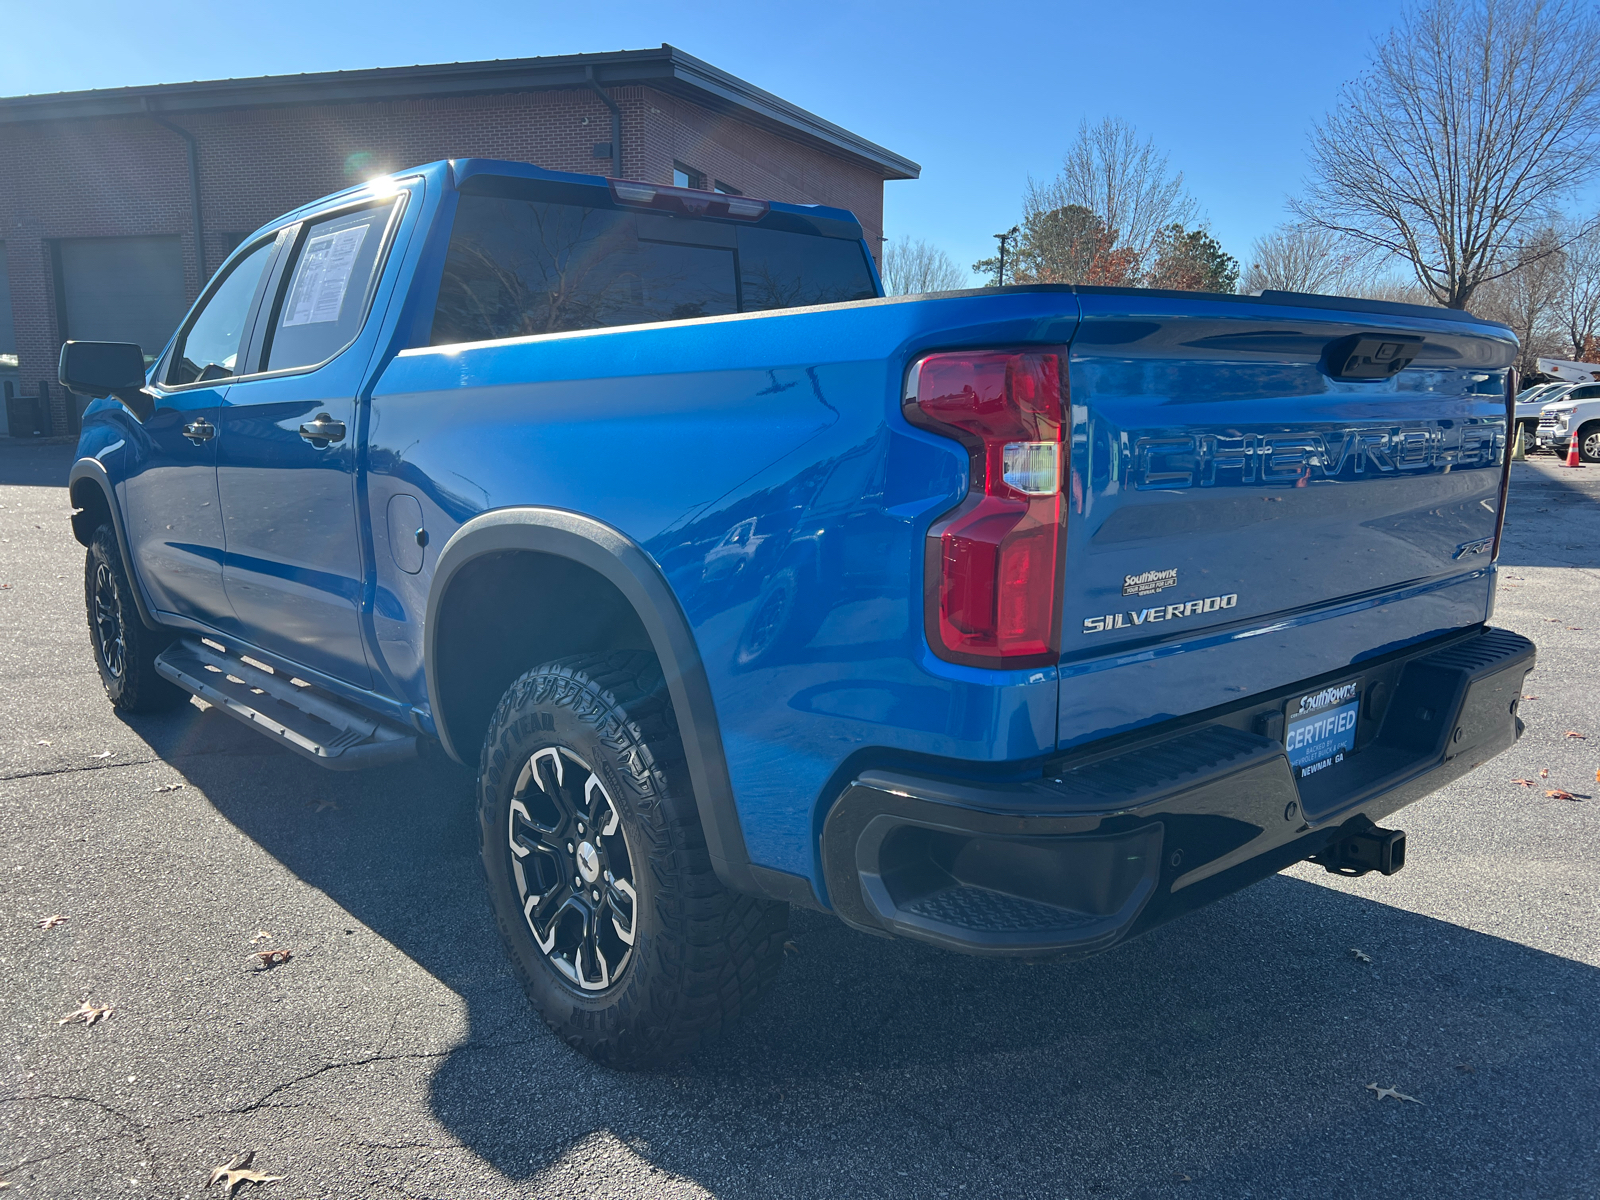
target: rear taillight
<point>1505,458</point>
<point>994,564</point>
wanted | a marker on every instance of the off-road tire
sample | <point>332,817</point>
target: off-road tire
<point>703,955</point>
<point>124,647</point>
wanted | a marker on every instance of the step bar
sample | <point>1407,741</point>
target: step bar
<point>312,723</point>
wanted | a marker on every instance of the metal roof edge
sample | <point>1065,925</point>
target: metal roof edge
<point>732,90</point>
<point>667,67</point>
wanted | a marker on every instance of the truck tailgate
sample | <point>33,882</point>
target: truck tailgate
<point>1242,519</point>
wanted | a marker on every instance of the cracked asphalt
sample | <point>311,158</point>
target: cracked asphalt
<point>1226,1055</point>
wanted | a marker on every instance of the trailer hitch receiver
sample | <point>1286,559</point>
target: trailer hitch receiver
<point>1372,849</point>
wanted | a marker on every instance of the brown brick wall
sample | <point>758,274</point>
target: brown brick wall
<point>126,176</point>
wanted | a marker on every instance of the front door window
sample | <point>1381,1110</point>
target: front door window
<point>209,348</point>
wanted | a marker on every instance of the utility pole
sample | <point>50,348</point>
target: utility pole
<point>1004,238</point>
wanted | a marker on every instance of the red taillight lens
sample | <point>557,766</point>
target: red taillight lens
<point>994,564</point>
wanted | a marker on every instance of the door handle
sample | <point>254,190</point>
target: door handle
<point>322,431</point>
<point>199,430</point>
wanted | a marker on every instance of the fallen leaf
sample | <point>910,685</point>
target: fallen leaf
<point>1360,956</point>
<point>102,754</point>
<point>169,787</point>
<point>88,1013</point>
<point>1573,733</point>
<point>52,921</point>
<point>1466,1068</point>
<point>1180,1177</point>
<point>790,948</point>
<point>1575,628</point>
<point>271,958</point>
<point>1530,697</point>
<point>44,742</point>
<point>1544,772</point>
<point>237,1172</point>
<point>1563,794</point>
<point>1523,782</point>
<point>1389,1091</point>
<point>322,804</point>
<point>233,1164</point>
<point>262,935</point>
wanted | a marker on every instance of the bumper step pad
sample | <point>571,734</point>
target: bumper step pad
<point>312,723</point>
<point>1103,845</point>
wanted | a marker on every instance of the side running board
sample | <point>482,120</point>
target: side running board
<point>328,731</point>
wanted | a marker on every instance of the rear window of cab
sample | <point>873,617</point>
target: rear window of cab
<point>523,265</point>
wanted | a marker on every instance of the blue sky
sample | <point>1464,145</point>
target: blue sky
<point>980,95</point>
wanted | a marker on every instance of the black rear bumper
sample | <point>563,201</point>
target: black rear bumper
<point>1110,842</point>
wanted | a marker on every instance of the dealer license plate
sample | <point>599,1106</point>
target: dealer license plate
<point>1320,727</point>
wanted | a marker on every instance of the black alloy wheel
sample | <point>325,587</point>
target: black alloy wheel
<point>618,928</point>
<point>125,648</point>
<point>106,618</point>
<point>574,875</point>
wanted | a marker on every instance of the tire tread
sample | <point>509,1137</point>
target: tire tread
<point>719,950</point>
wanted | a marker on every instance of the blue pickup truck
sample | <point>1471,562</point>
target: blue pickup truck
<point>1017,621</point>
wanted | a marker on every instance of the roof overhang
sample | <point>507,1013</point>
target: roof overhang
<point>668,69</point>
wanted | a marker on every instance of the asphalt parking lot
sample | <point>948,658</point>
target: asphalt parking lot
<point>1226,1055</point>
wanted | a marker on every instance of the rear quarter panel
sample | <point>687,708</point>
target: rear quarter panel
<point>737,451</point>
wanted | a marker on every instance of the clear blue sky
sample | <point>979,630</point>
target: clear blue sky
<point>981,95</point>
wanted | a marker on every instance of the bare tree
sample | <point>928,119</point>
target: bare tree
<point>1470,126</point>
<point>913,267</point>
<point>1301,257</point>
<point>1395,291</point>
<point>1124,182</point>
<point>1580,292</point>
<point>1529,298</point>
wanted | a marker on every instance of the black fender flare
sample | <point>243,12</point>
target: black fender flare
<point>94,469</point>
<point>619,559</point>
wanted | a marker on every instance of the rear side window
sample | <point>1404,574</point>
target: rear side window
<point>792,270</point>
<point>517,267</point>
<point>327,285</point>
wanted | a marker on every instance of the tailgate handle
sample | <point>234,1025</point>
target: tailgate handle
<point>1370,355</point>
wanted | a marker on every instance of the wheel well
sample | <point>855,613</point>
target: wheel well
<point>93,511</point>
<point>509,611</point>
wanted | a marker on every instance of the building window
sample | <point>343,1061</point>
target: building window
<point>687,177</point>
<point>727,189</point>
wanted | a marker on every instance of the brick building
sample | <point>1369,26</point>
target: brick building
<point>116,205</point>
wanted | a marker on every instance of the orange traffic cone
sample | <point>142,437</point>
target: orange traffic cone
<point>1572,452</point>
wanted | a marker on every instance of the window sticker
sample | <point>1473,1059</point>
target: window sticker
<point>323,277</point>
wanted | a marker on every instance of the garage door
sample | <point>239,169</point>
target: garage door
<point>123,289</point>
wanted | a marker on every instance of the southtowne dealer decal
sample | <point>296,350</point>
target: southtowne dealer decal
<point>1162,612</point>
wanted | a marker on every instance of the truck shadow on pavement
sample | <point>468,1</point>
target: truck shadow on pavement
<point>1232,1047</point>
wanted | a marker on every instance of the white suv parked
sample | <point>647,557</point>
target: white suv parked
<point>1576,412</point>
<point>1529,403</point>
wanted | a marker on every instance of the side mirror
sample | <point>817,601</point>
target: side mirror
<point>99,369</point>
